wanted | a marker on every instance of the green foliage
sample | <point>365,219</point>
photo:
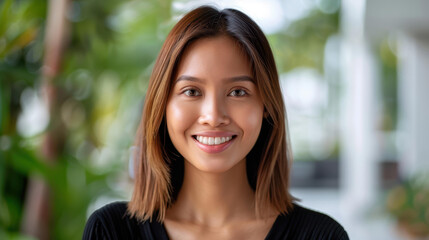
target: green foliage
<point>302,44</point>
<point>389,84</point>
<point>19,24</point>
<point>74,185</point>
<point>408,203</point>
<point>100,92</point>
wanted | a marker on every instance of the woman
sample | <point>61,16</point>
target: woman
<point>214,156</point>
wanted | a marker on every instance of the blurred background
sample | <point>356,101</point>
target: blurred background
<point>354,74</point>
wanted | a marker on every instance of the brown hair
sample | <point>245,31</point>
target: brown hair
<point>158,165</point>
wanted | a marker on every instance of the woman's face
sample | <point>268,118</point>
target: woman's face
<point>214,111</point>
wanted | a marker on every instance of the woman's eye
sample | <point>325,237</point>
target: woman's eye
<point>238,93</point>
<point>192,93</point>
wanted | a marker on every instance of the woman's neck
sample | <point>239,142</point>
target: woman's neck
<point>214,199</point>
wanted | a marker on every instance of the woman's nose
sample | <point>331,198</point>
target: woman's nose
<point>214,112</point>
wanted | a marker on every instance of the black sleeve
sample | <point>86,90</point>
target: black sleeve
<point>321,226</point>
<point>304,224</point>
<point>334,230</point>
<point>113,222</point>
<point>94,228</point>
<point>341,235</point>
<point>109,222</point>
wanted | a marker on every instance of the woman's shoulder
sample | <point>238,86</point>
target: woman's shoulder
<point>108,222</point>
<point>114,222</point>
<point>112,210</point>
<point>307,213</point>
<point>304,223</point>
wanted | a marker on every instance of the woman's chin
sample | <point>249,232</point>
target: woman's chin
<point>213,166</point>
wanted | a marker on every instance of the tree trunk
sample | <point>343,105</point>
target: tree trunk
<point>36,218</point>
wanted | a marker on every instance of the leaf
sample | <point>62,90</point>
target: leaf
<point>4,16</point>
<point>20,41</point>
<point>26,163</point>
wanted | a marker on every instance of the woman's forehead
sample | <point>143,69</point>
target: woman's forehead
<point>220,57</point>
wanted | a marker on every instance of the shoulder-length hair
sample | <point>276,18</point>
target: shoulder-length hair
<point>158,165</point>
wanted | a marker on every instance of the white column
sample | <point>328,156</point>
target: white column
<point>359,107</point>
<point>413,67</point>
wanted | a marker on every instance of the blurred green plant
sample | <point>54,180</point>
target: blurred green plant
<point>408,203</point>
<point>302,43</point>
<point>389,84</point>
<point>74,185</point>
<point>101,87</point>
<point>20,24</point>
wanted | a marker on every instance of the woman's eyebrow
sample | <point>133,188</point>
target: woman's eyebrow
<point>188,78</point>
<point>241,79</point>
<point>231,79</point>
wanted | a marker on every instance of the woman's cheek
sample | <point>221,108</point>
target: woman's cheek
<point>180,116</point>
<point>249,116</point>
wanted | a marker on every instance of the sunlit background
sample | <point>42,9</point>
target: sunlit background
<point>354,76</point>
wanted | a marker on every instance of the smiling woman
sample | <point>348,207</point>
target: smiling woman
<point>214,155</point>
<point>214,99</point>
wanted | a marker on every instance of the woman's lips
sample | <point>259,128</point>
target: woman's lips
<point>213,143</point>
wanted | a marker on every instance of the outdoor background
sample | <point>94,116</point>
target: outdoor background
<point>354,75</point>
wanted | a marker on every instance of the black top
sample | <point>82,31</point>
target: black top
<point>113,222</point>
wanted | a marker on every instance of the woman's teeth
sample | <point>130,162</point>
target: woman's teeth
<point>213,140</point>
